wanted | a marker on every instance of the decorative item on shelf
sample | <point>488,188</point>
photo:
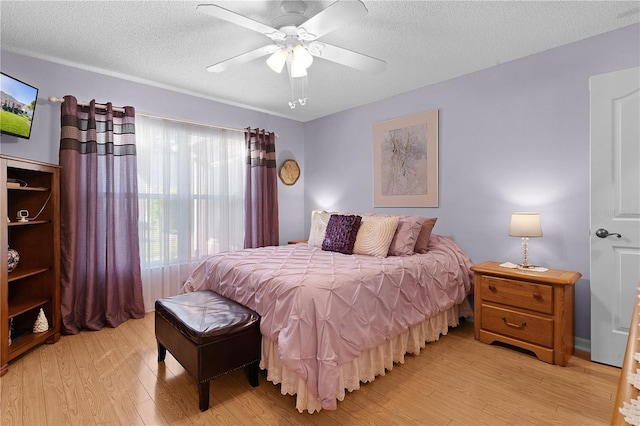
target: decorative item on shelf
<point>41,325</point>
<point>10,330</point>
<point>525,225</point>
<point>23,215</point>
<point>13,257</point>
<point>15,183</point>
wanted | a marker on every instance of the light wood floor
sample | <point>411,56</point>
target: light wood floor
<point>112,377</point>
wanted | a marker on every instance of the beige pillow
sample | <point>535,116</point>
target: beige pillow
<point>425,235</point>
<point>406,236</point>
<point>319,221</point>
<point>375,235</point>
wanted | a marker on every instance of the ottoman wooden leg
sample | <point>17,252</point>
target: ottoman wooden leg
<point>253,374</point>
<point>162,352</point>
<point>203,395</point>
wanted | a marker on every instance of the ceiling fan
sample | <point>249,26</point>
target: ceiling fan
<point>294,38</point>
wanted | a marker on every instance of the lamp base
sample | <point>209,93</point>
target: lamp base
<point>526,266</point>
<point>525,255</point>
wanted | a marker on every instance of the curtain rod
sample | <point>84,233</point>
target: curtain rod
<point>53,99</point>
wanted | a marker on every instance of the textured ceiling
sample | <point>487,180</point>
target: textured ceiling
<point>169,44</point>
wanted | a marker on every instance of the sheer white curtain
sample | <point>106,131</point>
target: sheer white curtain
<point>191,199</point>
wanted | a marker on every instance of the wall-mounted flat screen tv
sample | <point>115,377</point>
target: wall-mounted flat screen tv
<point>18,103</point>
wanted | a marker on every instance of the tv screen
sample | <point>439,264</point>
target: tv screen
<point>18,101</point>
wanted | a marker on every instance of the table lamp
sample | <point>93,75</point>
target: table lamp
<point>525,225</point>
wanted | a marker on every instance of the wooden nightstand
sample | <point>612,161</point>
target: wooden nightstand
<point>296,241</point>
<point>530,310</point>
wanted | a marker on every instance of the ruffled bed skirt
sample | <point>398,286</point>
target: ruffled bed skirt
<point>369,364</point>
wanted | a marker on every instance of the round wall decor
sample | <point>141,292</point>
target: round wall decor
<point>289,172</point>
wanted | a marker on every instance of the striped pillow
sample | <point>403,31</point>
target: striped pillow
<point>375,235</point>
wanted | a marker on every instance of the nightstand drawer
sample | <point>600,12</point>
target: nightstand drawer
<point>535,297</point>
<point>521,326</point>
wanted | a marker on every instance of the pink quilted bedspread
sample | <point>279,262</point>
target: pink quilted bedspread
<point>325,308</point>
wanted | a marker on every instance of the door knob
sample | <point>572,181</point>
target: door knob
<point>603,233</point>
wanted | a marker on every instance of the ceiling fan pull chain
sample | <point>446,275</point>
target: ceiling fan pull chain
<point>303,98</point>
<point>292,102</point>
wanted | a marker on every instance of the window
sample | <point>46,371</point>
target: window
<point>191,199</point>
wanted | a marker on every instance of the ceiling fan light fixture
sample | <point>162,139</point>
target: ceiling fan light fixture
<point>277,60</point>
<point>302,56</point>
<point>294,41</point>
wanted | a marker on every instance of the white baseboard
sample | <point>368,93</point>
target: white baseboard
<point>582,344</point>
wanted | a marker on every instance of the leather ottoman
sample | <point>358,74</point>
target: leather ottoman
<point>209,335</point>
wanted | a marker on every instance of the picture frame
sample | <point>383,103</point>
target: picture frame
<point>405,161</point>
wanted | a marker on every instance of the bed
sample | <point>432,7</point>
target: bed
<point>331,320</point>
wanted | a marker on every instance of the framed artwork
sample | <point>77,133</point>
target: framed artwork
<point>405,161</point>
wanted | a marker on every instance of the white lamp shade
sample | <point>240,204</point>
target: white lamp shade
<point>525,224</point>
<point>297,70</point>
<point>302,57</point>
<point>277,60</point>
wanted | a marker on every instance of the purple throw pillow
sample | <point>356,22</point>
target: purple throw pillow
<point>341,232</point>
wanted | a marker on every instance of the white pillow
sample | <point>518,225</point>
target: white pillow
<point>319,221</point>
<point>375,235</point>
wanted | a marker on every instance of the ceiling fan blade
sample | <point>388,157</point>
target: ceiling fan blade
<point>244,58</point>
<point>348,57</point>
<point>243,21</point>
<point>335,16</point>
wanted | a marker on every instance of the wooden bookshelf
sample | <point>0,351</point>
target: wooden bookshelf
<point>35,283</point>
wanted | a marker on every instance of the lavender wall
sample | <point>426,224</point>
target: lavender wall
<point>514,137</point>
<point>58,80</point>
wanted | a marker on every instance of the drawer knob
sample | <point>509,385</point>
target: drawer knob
<point>492,287</point>
<point>510,324</point>
<point>537,296</point>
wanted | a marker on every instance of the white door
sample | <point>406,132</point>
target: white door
<point>615,210</point>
